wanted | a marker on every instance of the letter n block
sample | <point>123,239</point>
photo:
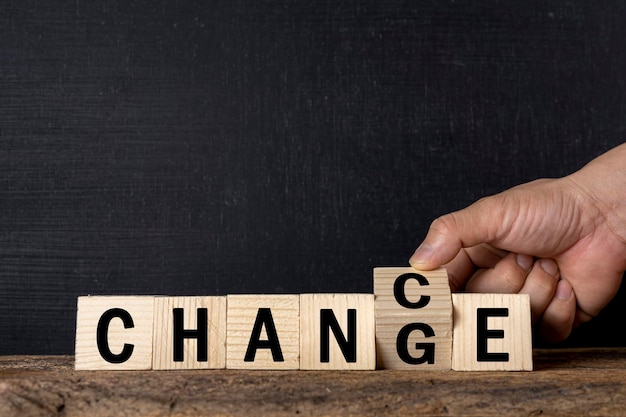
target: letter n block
<point>337,331</point>
<point>114,333</point>
<point>189,333</point>
<point>492,332</point>
<point>413,318</point>
<point>263,332</point>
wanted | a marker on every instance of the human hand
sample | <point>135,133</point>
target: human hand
<point>562,241</point>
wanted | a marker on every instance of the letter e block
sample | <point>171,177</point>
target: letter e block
<point>263,332</point>
<point>337,331</point>
<point>114,333</point>
<point>189,333</point>
<point>492,332</point>
<point>413,318</point>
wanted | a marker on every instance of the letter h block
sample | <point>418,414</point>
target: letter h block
<point>189,333</point>
<point>413,318</point>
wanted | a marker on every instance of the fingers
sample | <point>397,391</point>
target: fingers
<point>462,229</point>
<point>525,219</point>
<point>552,301</point>
<point>541,285</point>
<point>507,276</point>
<point>463,266</point>
<point>558,318</point>
<point>518,273</point>
<point>460,269</point>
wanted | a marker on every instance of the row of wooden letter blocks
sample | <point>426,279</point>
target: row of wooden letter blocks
<point>412,321</point>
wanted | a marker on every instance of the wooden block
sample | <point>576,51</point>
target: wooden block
<point>492,332</point>
<point>263,332</point>
<point>337,331</point>
<point>179,342</point>
<point>413,318</point>
<point>114,333</point>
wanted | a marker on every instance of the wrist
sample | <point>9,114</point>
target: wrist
<point>600,188</point>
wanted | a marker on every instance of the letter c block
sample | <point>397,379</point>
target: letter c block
<point>114,333</point>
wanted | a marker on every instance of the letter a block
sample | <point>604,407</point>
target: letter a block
<point>413,318</point>
<point>337,331</point>
<point>189,333</point>
<point>492,332</point>
<point>114,333</point>
<point>263,332</point>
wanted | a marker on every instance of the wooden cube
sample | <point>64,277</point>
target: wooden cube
<point>189,333</point>
<point>492,332</point>
<point>413,318</point>
<point>114,333</point>
<point>263,332</point>
<point>337,331</point>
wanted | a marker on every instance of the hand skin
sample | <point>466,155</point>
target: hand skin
<point>562,241</point>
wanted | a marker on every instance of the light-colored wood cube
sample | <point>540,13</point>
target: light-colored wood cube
<point>179,342</point>
<point>263,332</point>
<point>114,333</point>
<point>413,318</point>
<point>492,332</point>
<point>337,331</point>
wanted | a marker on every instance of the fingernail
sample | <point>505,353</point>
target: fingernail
<point>549,266</point>
<point>524,261</point>
<point>564,290</point>
<point>422,255</point>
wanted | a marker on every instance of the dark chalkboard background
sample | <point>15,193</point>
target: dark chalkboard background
<point>214,147</point>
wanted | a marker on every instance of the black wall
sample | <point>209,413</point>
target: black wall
<point>205,147</point>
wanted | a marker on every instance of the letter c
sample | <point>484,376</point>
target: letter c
<point>102,335</point>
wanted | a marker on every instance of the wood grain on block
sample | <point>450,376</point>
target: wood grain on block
<point>492,332</point>
<point>337,331</point>
<point>263,332</point>
<point>114,333</point>
<point>189,333</point>
<point>413,318</point>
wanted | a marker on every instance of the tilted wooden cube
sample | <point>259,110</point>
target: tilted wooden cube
<point>413,318</point>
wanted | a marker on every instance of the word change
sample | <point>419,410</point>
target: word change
<point>412,321</point>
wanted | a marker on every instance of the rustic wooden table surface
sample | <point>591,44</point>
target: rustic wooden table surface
<point>564,383</point>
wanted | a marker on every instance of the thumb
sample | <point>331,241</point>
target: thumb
<point>478,223</point>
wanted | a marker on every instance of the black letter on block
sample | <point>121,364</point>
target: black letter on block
<point>180,334</point>
<point>264,316</point>
<point>483,334</point>
<point>402,341</point>
<point>102,335</point>
<point>348,347</point>
<point>398,290</point>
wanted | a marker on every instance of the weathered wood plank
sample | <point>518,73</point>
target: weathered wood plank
<point>565,382</point>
